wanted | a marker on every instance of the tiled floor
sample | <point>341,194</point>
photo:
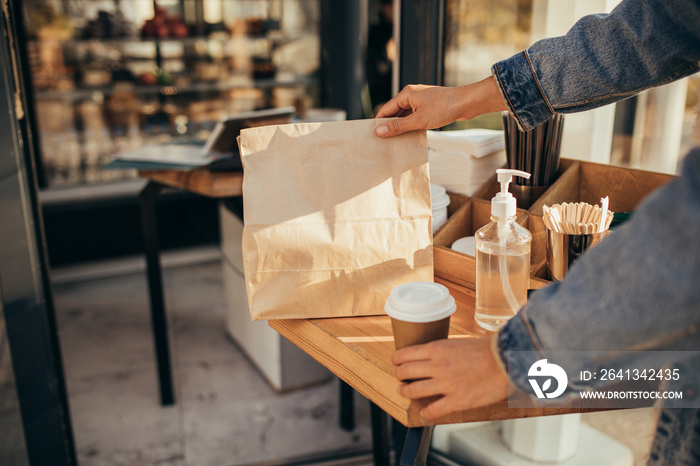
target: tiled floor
<point>225,413</point>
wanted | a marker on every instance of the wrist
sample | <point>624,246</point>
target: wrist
<point>480,98</point>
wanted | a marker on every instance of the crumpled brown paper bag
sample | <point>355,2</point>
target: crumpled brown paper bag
<point>334,218</point>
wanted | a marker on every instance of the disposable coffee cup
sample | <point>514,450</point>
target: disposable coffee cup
<point>420,313</point>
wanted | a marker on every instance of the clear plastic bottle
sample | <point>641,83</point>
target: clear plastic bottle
<point>502,260</point>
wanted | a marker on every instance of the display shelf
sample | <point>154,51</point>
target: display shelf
<point>103,191</point>
<point>89,92</point>
<point>189,40</point>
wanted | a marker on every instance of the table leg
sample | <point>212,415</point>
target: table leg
<point>380,436</point>
<point>415,449</point>
<point>347,406</point>
<point>159,322</point>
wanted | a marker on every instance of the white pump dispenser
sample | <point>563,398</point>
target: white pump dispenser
<point>502,259</point>
<point>504,205</point>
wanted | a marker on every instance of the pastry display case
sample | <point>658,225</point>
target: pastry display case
<point>109,76</point>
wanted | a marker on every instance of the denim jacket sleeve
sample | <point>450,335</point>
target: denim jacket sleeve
<point>639,289</point>
<point>602,59</point>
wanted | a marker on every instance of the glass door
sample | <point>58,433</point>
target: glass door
<point>35,426</point>
<point>13,449</point>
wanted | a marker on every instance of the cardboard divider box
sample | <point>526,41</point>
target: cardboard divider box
<point>589,182</point>
<point>455,266</point>
<point>456,202</point>
<point>577,181</point>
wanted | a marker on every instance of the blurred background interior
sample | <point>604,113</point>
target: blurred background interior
<point>86,80</point>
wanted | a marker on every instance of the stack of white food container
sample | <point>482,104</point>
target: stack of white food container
<point>439,200</point>
<point>463,160</point>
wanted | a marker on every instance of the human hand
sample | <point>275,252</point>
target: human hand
<point>464,371</point>
<point>421,107</point>
<point>429,107</point>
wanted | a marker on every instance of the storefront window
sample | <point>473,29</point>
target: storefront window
<point>652,131</point>
<point>656,129</point>
<point>110,76</point>
<point>478,33</point>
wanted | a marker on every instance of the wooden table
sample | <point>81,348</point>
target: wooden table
<point>200,181</point>
<point>358,350</point>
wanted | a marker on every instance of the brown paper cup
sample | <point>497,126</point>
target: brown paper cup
<point>420,312</point>
<point>417,333</point>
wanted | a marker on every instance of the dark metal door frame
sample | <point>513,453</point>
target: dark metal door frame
<point>342,65</point>
<point>27,300</point>
<point>420,39</point>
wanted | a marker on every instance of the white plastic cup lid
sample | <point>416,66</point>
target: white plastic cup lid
<point>438,197</point>
<point>420,302</point>
<point>466,245</point>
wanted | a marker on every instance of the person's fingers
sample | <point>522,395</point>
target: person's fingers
<point>420,389</point>
<point>398,105</point>
<point>409,353</point>
<point>413,370</point>
<point>438,408</point>
<point>391,109</point>
<point>398,126</point>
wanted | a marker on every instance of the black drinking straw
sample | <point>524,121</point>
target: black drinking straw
<point>536,175</point>
<point>510,150</point>
<point>535,151</point>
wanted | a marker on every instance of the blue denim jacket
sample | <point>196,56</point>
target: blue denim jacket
<point>639,289</point>
<point>602,59</point>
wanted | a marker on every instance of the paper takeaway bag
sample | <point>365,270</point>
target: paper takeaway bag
<point>334,218</point>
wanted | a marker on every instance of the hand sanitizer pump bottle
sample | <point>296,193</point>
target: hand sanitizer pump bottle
<point>502,259</point>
